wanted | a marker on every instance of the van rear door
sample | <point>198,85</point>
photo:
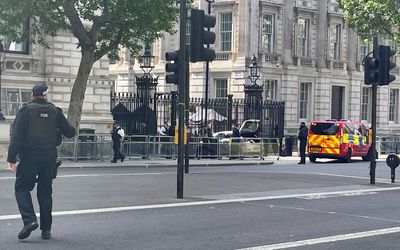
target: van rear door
<point>324,138</point>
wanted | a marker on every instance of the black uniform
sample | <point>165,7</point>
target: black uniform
<point>116,139</point>
<point>34,139</point>
<point>302,136</point>
<point>235,134</point>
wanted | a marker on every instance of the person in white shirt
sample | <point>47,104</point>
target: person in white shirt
<point>117,135</point>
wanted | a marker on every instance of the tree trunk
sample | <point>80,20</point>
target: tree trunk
<point>79,88</point>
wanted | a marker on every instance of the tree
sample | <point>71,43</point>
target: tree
<point>99,25</point>
<point>373,17</point>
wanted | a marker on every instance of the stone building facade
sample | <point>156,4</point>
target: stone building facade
<point>310,59</point>
<point>26,64</point>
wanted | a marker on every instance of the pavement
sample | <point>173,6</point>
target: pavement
<point>205,162</point>
<point>162,162</point>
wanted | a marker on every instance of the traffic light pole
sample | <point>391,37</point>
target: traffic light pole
<point>207,76</point>
<point>182,92</point>
<point>187,96</point>
<point>372,165</point>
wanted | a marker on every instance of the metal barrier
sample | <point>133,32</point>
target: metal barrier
<point>386,144</point>
<point>98,146</point>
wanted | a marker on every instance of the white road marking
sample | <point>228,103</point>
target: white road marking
<point>200,203</point>
<point>98,175</point>
<point>328,239</point>
<point>355,193</point>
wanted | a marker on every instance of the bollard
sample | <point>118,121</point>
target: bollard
<point>393,161</point>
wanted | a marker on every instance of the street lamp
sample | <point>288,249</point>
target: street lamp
<point>2,55</point>
<point>253,91</point>
<point>147,60</point>
<point>253,70</point>
<point>146,87</point>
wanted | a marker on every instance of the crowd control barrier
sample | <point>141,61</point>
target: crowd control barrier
<point>98,146</point>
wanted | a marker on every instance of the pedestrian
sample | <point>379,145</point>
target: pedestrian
<point>33,140</point>
<point>302,136</point>
<point>208,145</point>
<point>236,133</point>
<point>165,140</point>
<point>164,130</point>
<point>117,135</point>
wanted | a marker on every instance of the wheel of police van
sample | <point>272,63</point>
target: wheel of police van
<point>347,157</point>
<point>312,158</point>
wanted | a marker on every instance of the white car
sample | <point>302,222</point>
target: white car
<point>248,129</point>
<point>223,136</point>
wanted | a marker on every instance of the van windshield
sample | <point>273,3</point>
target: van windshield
<point>325,129</point>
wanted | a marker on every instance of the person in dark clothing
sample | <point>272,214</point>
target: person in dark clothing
<point>236,133</point>
<point>34,139</point>
<point>302,136</point>
<point>208,143</point>
<point>117,135</point>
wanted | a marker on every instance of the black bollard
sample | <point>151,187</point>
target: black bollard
<point>393,174</point>
<point>393,161</point>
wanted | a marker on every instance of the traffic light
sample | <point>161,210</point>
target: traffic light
<point>172,67</point>
<point>198,36</point>
<point>385,64</point>
<point>371,70</point>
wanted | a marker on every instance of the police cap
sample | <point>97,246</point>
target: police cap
<point>39,89</point>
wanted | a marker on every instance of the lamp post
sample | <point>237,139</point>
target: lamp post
<point>146,86</point>
<point>147,62</point>
<point>253,70</point>
<point>146,82</point>
<point>253,91</point>
<point>207,71</point>
<point>2,55</point>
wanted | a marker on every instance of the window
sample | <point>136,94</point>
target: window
<point>393,104</point>
<point>304,101</point>
<point>188,30</point>
<point>12,99</point>
<point>364,103</point>
<point>226,31</point>
<point>267,36</point>
<point>10,45</point>
<point>270,89</point>
<point>324,128</point>
<point>336,32</point>
<point>363,51</point>
<point>302,37</point>
<point>394,47</point>
<point>221,88</point>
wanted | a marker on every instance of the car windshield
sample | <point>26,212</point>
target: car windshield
<point>325,128</point>
<point>250,126</point>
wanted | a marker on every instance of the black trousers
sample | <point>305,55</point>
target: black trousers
<point>303,151</point>
<point>30,166</point>
<point>117,151</point>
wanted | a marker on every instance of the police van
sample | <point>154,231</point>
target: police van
<point>338,139</point>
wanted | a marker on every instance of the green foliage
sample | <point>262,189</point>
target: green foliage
<point>99,25</point>
<point>373,17</point>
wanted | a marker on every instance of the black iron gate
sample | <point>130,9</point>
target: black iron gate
<point>143,117</point>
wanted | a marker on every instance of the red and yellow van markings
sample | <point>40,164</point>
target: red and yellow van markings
<point>327,144</point>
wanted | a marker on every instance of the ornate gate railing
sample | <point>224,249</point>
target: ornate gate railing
<point>143,117</point>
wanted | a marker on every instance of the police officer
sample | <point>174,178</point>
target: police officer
<point>34,140</point>
<point>117,135</point>
<point>302,136</point>
<point>236,133</point>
